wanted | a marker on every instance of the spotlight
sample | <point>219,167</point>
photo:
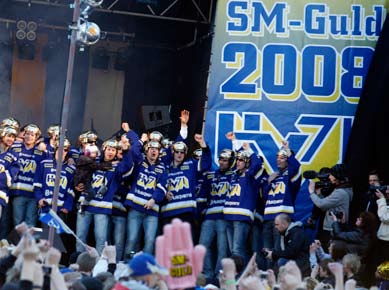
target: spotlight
<point>25,36</point>
<point>88,33</point>
<point>20,34</point>
<point>21,24</point>
<point>31,35</point>
<point>32,26</point>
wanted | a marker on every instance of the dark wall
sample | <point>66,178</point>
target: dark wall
<point>168,64</point>
<point>158,76</point>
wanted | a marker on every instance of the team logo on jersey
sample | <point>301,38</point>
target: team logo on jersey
<point>27,165</point>
<point>278,188</point>
<point>50,181</point>
<point>220,188</point>
<point>235,190</point>
<point>178,183</point>
<point>146,181</point>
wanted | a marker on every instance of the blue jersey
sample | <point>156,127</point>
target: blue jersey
<point>282,190</point>
<point>215,189</point>
<point>28,160</point>
<point>182,182</point>
<point>9,168</point>
<point>242,197</point>
<point>107,183</point>
<point>44,184</point>
<point>149,183</point>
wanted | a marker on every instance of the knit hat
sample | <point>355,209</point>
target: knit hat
<point>145,264</point>
<point>339,171</point>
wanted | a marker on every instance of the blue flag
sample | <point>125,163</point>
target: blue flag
<point>53,220</point>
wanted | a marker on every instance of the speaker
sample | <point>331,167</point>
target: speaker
<point>155,116</point>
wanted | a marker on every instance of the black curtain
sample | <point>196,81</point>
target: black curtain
<point>368,145</point>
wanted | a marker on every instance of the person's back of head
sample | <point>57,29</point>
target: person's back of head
<point>368,223</point>
<point>91,283</point>
<point>338,250</point>
<point>324,265</point>
<point>351,263</point>
<point>85,262</point>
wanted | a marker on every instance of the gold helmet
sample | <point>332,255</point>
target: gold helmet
<point>8,131</point>
<point>88,137</point>
<point>166,142</point>
<point>66,144</point>
<point>110,143</point>
<point>197,153</point>
<point>152,144</point>
<point>10,122</point>
<point>180,146</point>
<point>229,155</point>
<point>156,136</point>
<point>244,155</point>
<point>53,130</point>
<point>33,128</point>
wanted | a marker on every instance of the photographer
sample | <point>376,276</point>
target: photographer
<point>338,201</point>
<point>358,238</point>
<point>369,202</point>
<point>323,187</point>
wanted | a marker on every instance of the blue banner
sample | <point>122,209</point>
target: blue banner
<point>290,70</point>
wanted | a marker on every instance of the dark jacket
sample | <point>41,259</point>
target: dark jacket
<point>357,241</point>
<point>294,245</point>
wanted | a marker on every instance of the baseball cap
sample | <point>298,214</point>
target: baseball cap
<point>145,264</point>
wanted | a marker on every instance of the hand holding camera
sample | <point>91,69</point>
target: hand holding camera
<point>337,215</point>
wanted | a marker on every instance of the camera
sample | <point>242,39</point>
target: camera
<point>372,189</point>
<point>324,182</point>
<point>338,214</point>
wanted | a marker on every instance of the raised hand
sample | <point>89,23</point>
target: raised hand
<point>230,136</point>
<point>109,252</point>
<point>285,145</point>
<point>125,127</point>
<point>184,117</point>
<point>53,256</point>
<point>144,137</point>
<point>246,146</point>
<point>200,139</point>
<point>175,251</point>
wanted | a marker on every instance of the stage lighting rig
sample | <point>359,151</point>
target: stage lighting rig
<point>88,33</point>
<point>86,6</point>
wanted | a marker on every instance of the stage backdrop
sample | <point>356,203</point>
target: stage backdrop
<point>290,70</point>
